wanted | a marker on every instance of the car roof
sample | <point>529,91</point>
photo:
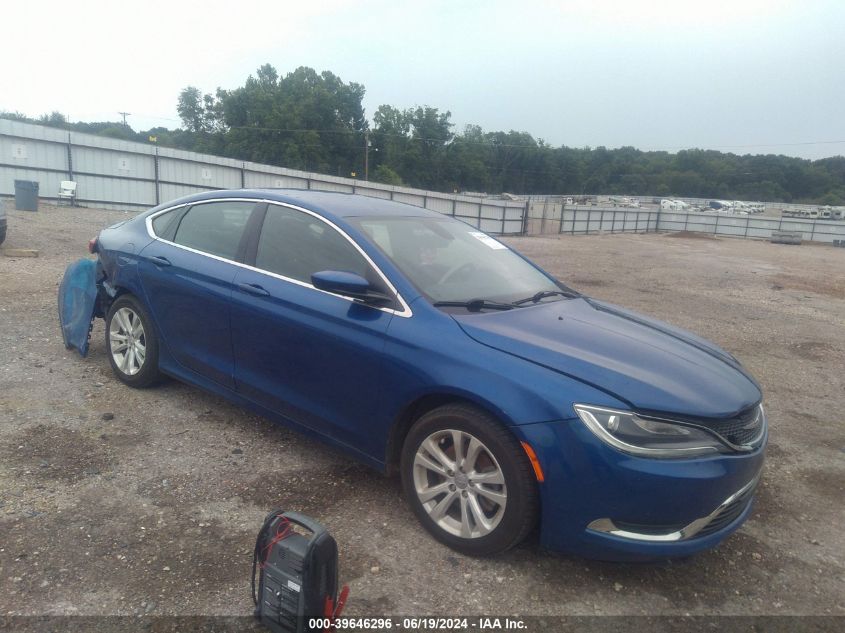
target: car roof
<point>326,203</point>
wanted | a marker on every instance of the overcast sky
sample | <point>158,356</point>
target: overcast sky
<point>748,76</point>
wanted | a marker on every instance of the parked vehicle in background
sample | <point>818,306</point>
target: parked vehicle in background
<point>629,203</point>
<point>674,205</point>
<point>423,346</point>
<point>812,214</point>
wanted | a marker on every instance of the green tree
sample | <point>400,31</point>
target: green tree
<point>832,199</point>
<point>390,138</point>
<point>425,154</point>
<point>304,120</point>
<point>54,119</point>
<point>316,121</point>
<point>13,115</point>
<point>467,161</point>
<point>191,109</point>
<point>386,175</point>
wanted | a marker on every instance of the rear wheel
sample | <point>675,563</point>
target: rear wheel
<point>132,343</point>
<point>468,480</point>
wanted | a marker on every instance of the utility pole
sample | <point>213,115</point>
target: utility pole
<point>366,155</point>
<point>124,115</point>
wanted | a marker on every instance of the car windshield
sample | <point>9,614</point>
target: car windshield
<point>449,261</point>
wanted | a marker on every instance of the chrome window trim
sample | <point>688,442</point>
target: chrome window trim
<point>607,525</point>
<point>405,312</point>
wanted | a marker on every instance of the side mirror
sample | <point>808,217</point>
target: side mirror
<point>349,285</point>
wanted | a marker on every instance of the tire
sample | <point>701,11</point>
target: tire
<point>474,517</point>
<point>129,322</point>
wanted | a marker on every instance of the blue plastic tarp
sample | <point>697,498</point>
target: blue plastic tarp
<point>77,301</point>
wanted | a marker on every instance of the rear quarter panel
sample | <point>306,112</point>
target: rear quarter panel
<point>118,247</point>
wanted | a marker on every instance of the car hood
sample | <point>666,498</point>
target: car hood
<point>651,365</point>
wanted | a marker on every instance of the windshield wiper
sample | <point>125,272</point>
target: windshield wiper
<point>475,305</point>
<point>571,294</point>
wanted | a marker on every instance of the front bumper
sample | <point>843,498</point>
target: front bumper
<point>600,503</point>
<point>723,516</point>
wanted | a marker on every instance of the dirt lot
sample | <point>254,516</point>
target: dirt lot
<point>116,501</point>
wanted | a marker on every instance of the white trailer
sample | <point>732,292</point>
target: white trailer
<point>673,205</point>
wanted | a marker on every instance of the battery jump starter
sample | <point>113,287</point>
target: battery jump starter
<point>297,586</point>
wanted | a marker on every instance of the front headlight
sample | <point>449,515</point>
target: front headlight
<point>630,433</point>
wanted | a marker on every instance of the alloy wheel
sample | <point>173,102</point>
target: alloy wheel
<point>127,341</point>
<point>459,483</point>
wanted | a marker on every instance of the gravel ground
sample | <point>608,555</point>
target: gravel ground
<point>117,501</point>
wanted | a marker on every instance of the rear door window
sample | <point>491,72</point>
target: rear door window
<point>215,227</point>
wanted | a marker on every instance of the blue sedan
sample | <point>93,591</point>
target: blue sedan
<point>421,345</point>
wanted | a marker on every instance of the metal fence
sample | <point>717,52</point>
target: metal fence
<point>119,174</point>
<point>751,226</point>
<point>550,218</point>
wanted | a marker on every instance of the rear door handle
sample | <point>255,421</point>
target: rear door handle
<point>254,289</point>
<point>160,261</point>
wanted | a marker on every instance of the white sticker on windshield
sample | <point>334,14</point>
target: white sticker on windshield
<point>489,241</point>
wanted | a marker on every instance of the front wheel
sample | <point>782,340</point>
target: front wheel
<point>469,481</point>
<point>132,343</point>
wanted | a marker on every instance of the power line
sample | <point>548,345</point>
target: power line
<point>454,139</point>
<point>493,143</point>
<point>655,149</point>
<point>159,118</point>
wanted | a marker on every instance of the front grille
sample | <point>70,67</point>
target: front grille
<point>742,429</point>
<point>729,513</point>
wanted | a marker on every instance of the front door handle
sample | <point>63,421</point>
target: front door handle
<point>160,261</point>
<point>254,289</point>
